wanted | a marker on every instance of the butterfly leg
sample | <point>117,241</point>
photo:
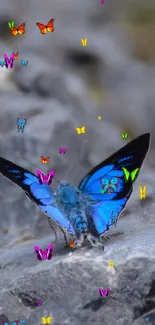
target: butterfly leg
<point>94,241</point>
<point>78,242</point>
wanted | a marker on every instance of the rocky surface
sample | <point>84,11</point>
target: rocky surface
<point>66,86</point>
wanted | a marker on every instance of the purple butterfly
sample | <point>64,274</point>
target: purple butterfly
<point>104,293</point>
<point>45,178</point>
<point>9,61</point>
<point>41,255</point>
<point>62,151</point>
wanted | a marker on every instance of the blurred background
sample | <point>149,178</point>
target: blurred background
<point>66,85</point>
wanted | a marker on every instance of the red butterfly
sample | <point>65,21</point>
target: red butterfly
<point>44,160</point>
<point>16,56</point>
<point>49,27</point>
<point>20,30</point>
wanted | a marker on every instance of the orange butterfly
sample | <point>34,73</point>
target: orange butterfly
<point>44,160</point>
<point>20,30</point>
<point>16,56</point>
<point>71,244</point>
<point>44,28</point>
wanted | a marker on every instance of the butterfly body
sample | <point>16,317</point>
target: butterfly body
<point>74,205</point>
<point>46,28</point>
<point>47,254</point>
<point>111,264</point>
<point>45,178</point>
<point>21,124</point>
<point>84,211</point>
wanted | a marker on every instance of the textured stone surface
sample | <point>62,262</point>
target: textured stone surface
<point>66,86</point>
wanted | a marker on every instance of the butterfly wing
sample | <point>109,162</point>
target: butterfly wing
<point>24,121</point>
<point>14,31</point>
<point>49,252</point>
<point>78,130</point>
<point>18,121</point>
<point>43,319</point>
<point>42,28</point>
<point>49,320</point>
<point>50,26</point>
<point>47,160</point>
<point>41,195</point>
<point>42,159</point>
<point>105,208</point>
<point>39,253</point>
<point>21,29</point>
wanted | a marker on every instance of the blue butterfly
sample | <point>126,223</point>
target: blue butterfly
<point>21,124</point>
<point>23,321</point>
<point>146,319</point>
<point>83,211</point>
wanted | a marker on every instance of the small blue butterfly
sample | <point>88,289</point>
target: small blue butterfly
<point>84,211</point>
<point>23,321</point>
<point>21,124</point>
<point>146,319</point>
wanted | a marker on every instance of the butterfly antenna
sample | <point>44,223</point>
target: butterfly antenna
<point>26,159</point>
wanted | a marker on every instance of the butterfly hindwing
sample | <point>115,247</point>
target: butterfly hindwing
<point>41,195</point>
<point>107,207</point>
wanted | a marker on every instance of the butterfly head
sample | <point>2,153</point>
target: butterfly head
<point>67,194</point>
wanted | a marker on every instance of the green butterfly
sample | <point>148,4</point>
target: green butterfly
<point>124,135</point>
<point>11,24</point>
<point>127,174</point>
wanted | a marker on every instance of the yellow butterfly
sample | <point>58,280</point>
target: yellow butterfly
<point>46,320</point>
<point>81,130</point>
<point>111,264</point>
<point>84,41</point>
<point>99,117</point>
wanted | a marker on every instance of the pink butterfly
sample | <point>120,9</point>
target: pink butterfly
<point>62,151</point>
<point>104,293</point>
<point>45,178</point>
<point>47,254</point>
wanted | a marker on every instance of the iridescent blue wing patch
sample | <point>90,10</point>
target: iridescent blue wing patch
<point>41,195</point>
<point>110,184</point>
